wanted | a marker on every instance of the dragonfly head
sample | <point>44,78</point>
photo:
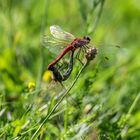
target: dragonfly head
<point>87,38</point>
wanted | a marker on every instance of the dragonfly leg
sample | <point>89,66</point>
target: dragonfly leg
<point>84,49</point>
<point>78,56</point>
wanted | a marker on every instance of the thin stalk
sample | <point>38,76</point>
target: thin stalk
<point>131,108</point>
<point>134,104</point>
<point>42,59</point>
<point>96,21</point>
<point>58,103</point>
<point>127,116</point>
<point>98,16</point>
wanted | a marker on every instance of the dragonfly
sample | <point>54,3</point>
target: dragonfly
<point>63,38</point>
<point>65,41</point>
<point>58,76</point>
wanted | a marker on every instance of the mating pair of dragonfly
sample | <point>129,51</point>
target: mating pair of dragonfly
<point>70,44</point>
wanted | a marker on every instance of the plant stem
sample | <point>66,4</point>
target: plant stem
<point>58,103</point>
<point>41,51</point>
<point>96,20</point>
<point>127,116</point>
<point>134,104</point>
<point>98,16</point>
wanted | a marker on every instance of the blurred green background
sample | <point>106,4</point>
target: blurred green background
<point>104,103</point>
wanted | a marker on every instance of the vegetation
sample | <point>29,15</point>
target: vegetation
<point>101,102</point>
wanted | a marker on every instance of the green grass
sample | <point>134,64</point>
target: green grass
<point>102,104</point>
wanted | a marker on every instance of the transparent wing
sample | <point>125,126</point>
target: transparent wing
<point>58,39</point>
<point>106,49</point>
<point>107,54</point>
<point>60,34</point>
<point>54,45</point>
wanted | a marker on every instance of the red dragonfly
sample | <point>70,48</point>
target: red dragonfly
<point>57,76</point>
<point>62,38</point>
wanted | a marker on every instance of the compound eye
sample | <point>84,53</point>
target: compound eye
<point>87,38</point>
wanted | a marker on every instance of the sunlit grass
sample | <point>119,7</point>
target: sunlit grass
<point>102,104</point>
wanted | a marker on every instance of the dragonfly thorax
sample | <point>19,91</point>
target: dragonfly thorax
<point>81,42</point>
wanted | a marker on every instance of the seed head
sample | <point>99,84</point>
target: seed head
<point>91,53</point>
